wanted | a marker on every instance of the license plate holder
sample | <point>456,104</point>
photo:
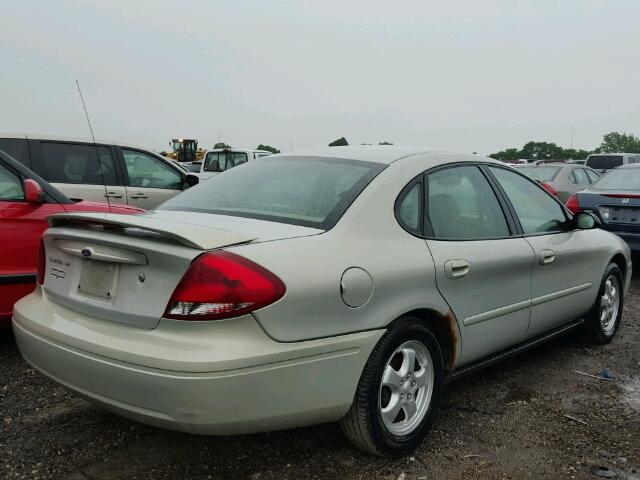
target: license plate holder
<point>97,279</point>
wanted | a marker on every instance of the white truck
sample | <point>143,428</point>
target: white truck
<point>220,159</point>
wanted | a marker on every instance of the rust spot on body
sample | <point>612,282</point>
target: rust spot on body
<point>451,323</point>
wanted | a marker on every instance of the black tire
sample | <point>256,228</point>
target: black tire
<point>363,424</point>
<point>594,329</point>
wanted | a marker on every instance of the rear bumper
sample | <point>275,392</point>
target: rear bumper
<point>280,386</point>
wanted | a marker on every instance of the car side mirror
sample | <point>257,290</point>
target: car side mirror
<point>33,192</point>
<point>585,221</point>
<point>192,180</point>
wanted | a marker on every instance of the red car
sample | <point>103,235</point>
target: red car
<point>26,200</point>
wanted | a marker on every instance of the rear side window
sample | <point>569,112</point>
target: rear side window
<point>10,185</point>
<point>307,191</point>
<point>462,205</point>
<point>76,163</point>
<point>17,148</point>
<point>579,177</point>
<point>537,211</point>
<point>604,162</point>
<point>593,176</point>
<point>409,208</point>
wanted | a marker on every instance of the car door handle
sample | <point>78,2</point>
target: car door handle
<point>456,268</point>
<point>547,257</point>
<point>138,195</point>
<point>113,195</point>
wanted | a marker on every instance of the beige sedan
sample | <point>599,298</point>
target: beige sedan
<point>343,284</point>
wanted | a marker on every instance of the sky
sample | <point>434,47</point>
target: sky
<point>465,75</point>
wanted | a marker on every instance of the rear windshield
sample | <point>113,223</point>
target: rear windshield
<point>221,161</point>
<point>544,174</point>
<point>604,162</point>
<point>308,191</point>
<point>627,179</point>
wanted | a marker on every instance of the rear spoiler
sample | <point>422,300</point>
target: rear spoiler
<point>190,235</point>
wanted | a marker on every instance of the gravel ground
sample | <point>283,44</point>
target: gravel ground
<point>529,417</point>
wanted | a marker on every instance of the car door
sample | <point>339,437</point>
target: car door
<point>483,268</point>
<point>80,170</point>
<point>149,180</point>
<point>21,225</point>
<point>566,268</point>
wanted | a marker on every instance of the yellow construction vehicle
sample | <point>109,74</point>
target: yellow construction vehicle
<point>185,150</point>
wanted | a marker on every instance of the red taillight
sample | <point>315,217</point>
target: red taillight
<point>549,189</point>
<point>41,264</point>
<point>222,285</point>
<point>573,204</point>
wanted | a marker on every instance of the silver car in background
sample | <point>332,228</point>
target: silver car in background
<point>560,179</point>
<point>343,284</point>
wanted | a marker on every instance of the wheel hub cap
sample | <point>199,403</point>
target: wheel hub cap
<point>610,304</point>
<point>406,388</point>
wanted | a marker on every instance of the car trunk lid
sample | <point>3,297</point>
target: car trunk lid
<point>124,268</point>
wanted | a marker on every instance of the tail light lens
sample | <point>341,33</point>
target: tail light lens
<point>41,264</point>
<point>222,285</point>
<point>549,189</point>
<point>573,204</point>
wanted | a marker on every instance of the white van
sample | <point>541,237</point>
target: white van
<point>602,162</point>
<point>220,159</point>
<point>101,171</point>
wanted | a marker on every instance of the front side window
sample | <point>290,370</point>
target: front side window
<point>10,185</point>
<point>537,211</point>
<point>312,192</point>
<point>462,205</point>
<point>146,171</point>
<point>76,163</point>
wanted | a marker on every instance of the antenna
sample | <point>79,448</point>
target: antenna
<point>95,146</point>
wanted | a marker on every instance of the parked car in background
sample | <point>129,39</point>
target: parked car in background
<point>615,199</point>
<point>578,162</point>
<point>80,169</point>
<point>560,179</point>
<point>220,160</point>
<point>26,200</point>
<point>606,161</point>
<point>337,284</point>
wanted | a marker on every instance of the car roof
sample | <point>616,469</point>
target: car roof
<point>59,138</point>
<point>379,154</point>
<point>238,150</point>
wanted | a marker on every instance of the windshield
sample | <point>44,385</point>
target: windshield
<point>308,191</point>
<point>604,162</point>
<point>627,179</point>
<point>544,174</point>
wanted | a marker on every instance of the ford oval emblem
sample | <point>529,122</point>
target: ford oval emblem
<point>86,252</point>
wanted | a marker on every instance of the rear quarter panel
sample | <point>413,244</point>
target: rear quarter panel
<point>368,236</point>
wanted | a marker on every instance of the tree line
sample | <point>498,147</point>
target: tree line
<point>613,142</point>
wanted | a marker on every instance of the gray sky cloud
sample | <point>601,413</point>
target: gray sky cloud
<point>474,75</point>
